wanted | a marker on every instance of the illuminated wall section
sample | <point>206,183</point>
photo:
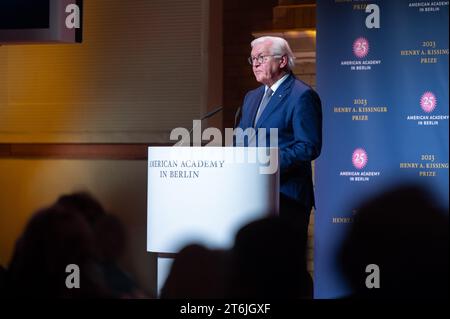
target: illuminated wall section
<point>136,76</point>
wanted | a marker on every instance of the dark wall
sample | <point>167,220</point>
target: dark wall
<point>240,19</point>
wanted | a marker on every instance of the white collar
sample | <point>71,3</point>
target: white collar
<point>277,84</point>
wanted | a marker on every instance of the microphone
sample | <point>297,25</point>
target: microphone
<point>237,116</point>
<point>211,113</point>
<point>204,117</point>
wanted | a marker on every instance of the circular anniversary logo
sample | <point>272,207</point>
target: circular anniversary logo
<point>361,47</point>
<point>359,158</point>
<point>428,102</point>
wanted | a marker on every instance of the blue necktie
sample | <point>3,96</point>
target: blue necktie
<point>263,104</point>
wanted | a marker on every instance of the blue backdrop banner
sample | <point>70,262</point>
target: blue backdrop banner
<point>382,75</point>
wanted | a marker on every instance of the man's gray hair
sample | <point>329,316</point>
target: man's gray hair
<point>279,47</point>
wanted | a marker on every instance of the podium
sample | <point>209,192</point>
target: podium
<point>205,195</point>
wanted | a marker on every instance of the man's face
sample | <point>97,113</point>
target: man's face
<point>270,71</point>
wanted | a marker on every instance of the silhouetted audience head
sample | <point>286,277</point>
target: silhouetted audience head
<point>196,272</point>
<point>83,203</point>
<point>2,281</point>
<point>269,261</point>
<point>110,237</point>
<point>53,239</point>
<point>406,236</point>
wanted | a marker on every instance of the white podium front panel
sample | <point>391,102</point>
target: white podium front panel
<point>206,194</point>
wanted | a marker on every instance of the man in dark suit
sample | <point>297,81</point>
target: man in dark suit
<point>294,109</point>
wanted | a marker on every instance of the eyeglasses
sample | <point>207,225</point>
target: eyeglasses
<point>261,59</point>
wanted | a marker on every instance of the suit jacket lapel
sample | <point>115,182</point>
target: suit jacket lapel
<point>254,104</point>
<point>275,100</point>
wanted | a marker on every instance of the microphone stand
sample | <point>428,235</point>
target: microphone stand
<point>204,117</point>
